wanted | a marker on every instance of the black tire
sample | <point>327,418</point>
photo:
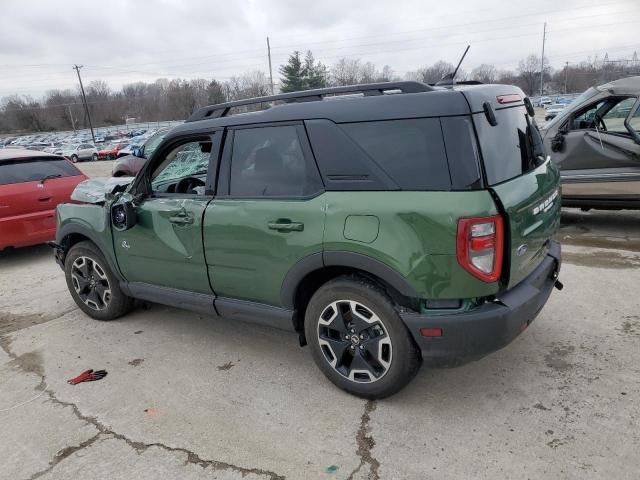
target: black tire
<point>384,344</point>
<point>100,287</point>
<point>95,157</point>
<point>74,158</point>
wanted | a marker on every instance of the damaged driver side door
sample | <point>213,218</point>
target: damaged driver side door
<point>164,246</point>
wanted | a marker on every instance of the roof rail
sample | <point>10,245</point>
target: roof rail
<point>222,109</point>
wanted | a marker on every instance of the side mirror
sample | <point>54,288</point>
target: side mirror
<point>123,215</point>
<point>138,152</point>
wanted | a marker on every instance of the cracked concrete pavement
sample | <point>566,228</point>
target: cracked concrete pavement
<point>190,397</point>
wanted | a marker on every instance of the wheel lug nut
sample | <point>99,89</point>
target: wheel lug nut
<point>346,337</point>
<point>352,347</point>
<point>361,337</point>
<point>361,347</point>
<point>353,331</point>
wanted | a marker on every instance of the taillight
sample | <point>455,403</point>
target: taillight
<point>480,246</point>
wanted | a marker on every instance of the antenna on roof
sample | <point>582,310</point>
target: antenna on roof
<point>448,79</point>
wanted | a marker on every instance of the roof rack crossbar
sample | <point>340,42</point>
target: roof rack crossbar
<point>222,109</point>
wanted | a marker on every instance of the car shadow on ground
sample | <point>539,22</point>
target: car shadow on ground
<point>14,256</point>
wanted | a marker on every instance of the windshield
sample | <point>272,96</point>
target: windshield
<point>153,142</point>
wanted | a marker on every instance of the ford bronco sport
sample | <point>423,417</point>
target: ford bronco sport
<point>388,224</point>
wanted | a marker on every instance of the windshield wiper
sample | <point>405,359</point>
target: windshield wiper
<point>53,175</point>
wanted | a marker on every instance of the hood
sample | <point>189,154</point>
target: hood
<point>95,189</point>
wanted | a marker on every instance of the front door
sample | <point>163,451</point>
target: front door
<point>268,213</point>
<point>164,247</point>
<point>600,157</point>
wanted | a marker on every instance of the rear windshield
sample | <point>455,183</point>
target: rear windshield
<point>411,151</point>
<point>20,171</point>
<point>512,147</point>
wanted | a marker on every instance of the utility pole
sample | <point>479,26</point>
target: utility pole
<point>544,38</point>
<point>73,124</point>
<point>566,75</point>
<point>270,71</point>
<point>84,100</point>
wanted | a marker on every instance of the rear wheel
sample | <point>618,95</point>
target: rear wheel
<point>358,339</point>
<point>92,284</point>
<point>95,157</point>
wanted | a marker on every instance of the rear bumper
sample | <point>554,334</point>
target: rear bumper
<point>472,335</point>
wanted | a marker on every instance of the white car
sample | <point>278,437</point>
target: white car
<point>78,153</point>
<point>552,110</point>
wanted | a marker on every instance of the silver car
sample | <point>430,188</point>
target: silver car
<point>596,143</point>
<point>79,152</point>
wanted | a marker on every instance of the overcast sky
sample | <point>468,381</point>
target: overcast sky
<point>122,41</point>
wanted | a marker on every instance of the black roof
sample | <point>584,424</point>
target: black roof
<point>416,100</point>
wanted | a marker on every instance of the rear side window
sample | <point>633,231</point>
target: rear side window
<point>411,151</point>
<point>20,171</point>
<point>511,148</point>
<point>270,162</point>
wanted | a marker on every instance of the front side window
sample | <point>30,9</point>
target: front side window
<point>183,169</point>
<point>21,171</point>
<point>270,162</point>
<point>586,118</point>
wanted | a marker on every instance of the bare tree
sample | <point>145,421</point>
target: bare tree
<point>485,73</point>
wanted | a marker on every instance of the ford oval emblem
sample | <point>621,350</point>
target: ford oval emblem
<point>522,249</point>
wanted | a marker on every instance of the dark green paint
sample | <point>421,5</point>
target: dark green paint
<point>249,260</point>
<point>519,198</point>
<point>161,252</point>
<point>234,247</point>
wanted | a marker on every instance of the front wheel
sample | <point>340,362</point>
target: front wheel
<point>358,339</point>
<point>92,284</point>
<point>95,157</point>
<point>74,158</point>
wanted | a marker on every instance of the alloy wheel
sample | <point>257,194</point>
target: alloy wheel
<point>91,283</point>
<point>354,341</point>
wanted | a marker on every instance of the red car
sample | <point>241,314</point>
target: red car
<point>32,184</point>
<point>110,151</point>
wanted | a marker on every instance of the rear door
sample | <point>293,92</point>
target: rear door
<point>268,212</point>
<point>525,183</point>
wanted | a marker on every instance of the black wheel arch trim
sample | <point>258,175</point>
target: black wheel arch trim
<point>340,258</point>
<point>78,229</point>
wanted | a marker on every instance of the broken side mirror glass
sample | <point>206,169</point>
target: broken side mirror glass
<point>123,213</point>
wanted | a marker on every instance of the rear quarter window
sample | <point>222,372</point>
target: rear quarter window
<point>411,152</point>
<point>20,171</point>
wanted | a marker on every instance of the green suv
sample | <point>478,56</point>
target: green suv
<point>387,224</point>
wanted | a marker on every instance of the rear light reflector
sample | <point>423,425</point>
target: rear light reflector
<point>431,332</point>
<point>480,246</point>
<point>511,98</point>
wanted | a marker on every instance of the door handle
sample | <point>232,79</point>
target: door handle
<point>286,225</point>
<point>44,199</point>
<point>181,219</point>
